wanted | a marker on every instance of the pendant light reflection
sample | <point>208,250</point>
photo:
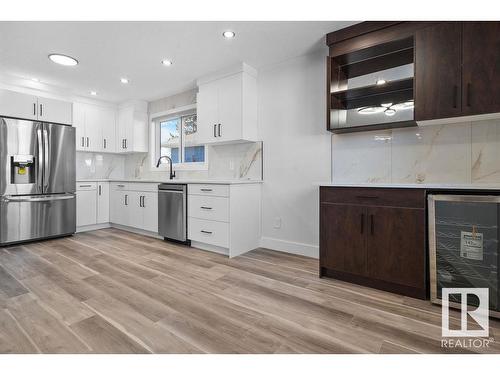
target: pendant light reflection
<point>388,108</point>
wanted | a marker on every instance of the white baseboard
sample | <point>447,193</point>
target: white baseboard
<point>86,228</point>
<point>208,247</point>
<point>136,230</point>
<point>296,248</point>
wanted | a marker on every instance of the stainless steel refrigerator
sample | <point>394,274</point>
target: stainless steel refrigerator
<point>37,180</point>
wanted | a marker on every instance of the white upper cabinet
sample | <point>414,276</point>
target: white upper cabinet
<point>95,128</point>
<point>227,107</point>
<point>29,107</point>
<point>132,128</point>
<point>57,111</point>
<point>14,104</point>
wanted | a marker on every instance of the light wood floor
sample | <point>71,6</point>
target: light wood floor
<point>111,291</point>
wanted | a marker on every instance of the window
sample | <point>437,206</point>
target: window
<point>178,139</point>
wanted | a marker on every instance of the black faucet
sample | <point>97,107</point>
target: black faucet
<point>172,172</point>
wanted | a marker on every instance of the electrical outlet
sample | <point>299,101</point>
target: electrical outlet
<point>277,222</point>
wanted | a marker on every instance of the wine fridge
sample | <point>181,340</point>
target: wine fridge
<point>463,245</point>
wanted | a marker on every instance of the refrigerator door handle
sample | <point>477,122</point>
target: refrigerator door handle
<point>46,161</point>
<point>40,167</point>
<point>36,198</point>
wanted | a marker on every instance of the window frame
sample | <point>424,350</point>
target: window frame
<point>156,120</point>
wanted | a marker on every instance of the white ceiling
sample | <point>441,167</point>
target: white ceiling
<point>109,50</point>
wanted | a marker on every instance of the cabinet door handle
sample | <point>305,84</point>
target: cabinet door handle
<point>468,94</point>
<point>206,189</point>
<point>88,142</point>
<point>104,142</point>
<point>83,141</point>
<point>100,190</point>
<point>455,96</point>
<point>84,185</point>
<point>34,109</point>
<point>362,222</point>
<point>205,208</point>
<point>219,129</point>
<point>372,229</point>
<point>126,200</point>
<point>41,110</point>
<point>366,197</point>
<point>206,231</point>
<point>215,130</point>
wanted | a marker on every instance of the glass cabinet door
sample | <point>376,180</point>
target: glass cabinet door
<point>466,246</point>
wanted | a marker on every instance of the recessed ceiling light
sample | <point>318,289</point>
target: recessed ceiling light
<point>167,62</point>
<point>381,81</point>
<point>93,93</point>
<point>228,34</point>
<point>63,59</point>
<point>124,80</point>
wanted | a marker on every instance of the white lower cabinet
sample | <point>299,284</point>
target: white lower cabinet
<point>86,204</point>
<point>209,231</point>
<point>119,207</point>
<point>102,202</point>
<point>135,205</point>
<point>224,218</point>
<point>150,211</point>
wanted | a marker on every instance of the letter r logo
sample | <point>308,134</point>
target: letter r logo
<point>479,314</point>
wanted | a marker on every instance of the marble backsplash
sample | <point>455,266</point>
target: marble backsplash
<point>465,152</point>
<point>97,165</point>
<point>228,162</point>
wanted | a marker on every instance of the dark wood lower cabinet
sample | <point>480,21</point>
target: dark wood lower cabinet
<point>396,245</point>
<point>373,242</point>
<point>343,243</point>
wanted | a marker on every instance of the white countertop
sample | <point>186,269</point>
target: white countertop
<point>416,186</point>
<point>175,181</point>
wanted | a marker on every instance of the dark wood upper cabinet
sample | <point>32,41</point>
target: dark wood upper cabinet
<point>342,242</point>
<point>394,234</point>
<point>456,72</point>
<point>481,67</point>
<point>438,71</point>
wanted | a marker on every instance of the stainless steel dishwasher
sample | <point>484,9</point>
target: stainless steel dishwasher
<point>172,212</point>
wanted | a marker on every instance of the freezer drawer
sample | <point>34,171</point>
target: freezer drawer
<point>24,218</point>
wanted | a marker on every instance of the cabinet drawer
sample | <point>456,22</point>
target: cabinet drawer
<point>81,186</point>
<point>119,186</point>
<point>209,208</point>
<point>216,190</point>
<point>414,198</point>
<point>209,232</point>
<point>135,186</point>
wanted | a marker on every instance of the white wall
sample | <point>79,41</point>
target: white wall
<point>296,151</point>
